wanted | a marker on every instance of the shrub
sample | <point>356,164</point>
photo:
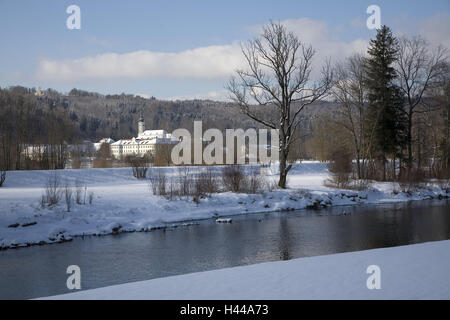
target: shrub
<point>340,168</point>
<point>254,183</point>
<point>185,183</point>
<point>158,183</point>
<point>443,178</point>
<point>172,190</point>
<point>91,197</point>
<point>78,191</point>
<point>85,192</point>
<point>139,166</point>
<point>81,192</point>
<point>206,183</point>
<point>68,192</point>
<point>233,178</point>
<point>271,184</point>
<point>53,190</point>
<point>359,185</point>
<point>412,180</point>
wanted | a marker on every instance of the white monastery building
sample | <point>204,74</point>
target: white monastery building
<point>145,142</point>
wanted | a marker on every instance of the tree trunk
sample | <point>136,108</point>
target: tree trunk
<point>394,175</point>
<point>409,142</point>
<point>358,165</point>
<point>283,173</point>
<point>419,151</point>
<point>284,167</point>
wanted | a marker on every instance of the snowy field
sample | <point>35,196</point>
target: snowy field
<point>122,203</point>
<point>419,271</point>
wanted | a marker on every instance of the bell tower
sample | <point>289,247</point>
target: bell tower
<point>141,125</point>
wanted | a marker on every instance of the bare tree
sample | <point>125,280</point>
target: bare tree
<point>278,76</point>
<point>418,69</point>
<point>350,92</point>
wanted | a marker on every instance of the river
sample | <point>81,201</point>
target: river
<point>41,270</point>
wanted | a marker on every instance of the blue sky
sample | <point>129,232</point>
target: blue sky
<point>127,46</point>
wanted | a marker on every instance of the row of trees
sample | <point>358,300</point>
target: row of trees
<point>30,137</point>
<point>390,105</point>
<point>393,102</point>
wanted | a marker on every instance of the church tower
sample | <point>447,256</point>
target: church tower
<point>141,125</point>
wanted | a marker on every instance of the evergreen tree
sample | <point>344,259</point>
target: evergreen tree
<point>385,101</point>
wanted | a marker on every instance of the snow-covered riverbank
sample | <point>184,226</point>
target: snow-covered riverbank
<point>419,271</point>
<point>122,203</point>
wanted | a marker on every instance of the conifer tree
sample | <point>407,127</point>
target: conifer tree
<point>385,100</point>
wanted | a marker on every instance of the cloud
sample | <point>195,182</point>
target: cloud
<point>436,29</point>
<point>327,45</point>
<point>203,63</point>
<point>210,62</point>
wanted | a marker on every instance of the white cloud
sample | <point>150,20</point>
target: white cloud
<point>201,63</point>
<point>319,34</point>
<point>436,29</point>
<point>211,62</point>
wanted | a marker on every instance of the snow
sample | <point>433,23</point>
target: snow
<point>419,271</point>
<point>124,204</point>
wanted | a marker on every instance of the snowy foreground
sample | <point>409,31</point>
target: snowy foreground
<point>123,204</point>
<point>419,271</point>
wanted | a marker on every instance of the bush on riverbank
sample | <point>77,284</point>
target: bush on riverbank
<point>207,182</point>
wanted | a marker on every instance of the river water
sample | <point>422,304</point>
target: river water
<point>41,270</point>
